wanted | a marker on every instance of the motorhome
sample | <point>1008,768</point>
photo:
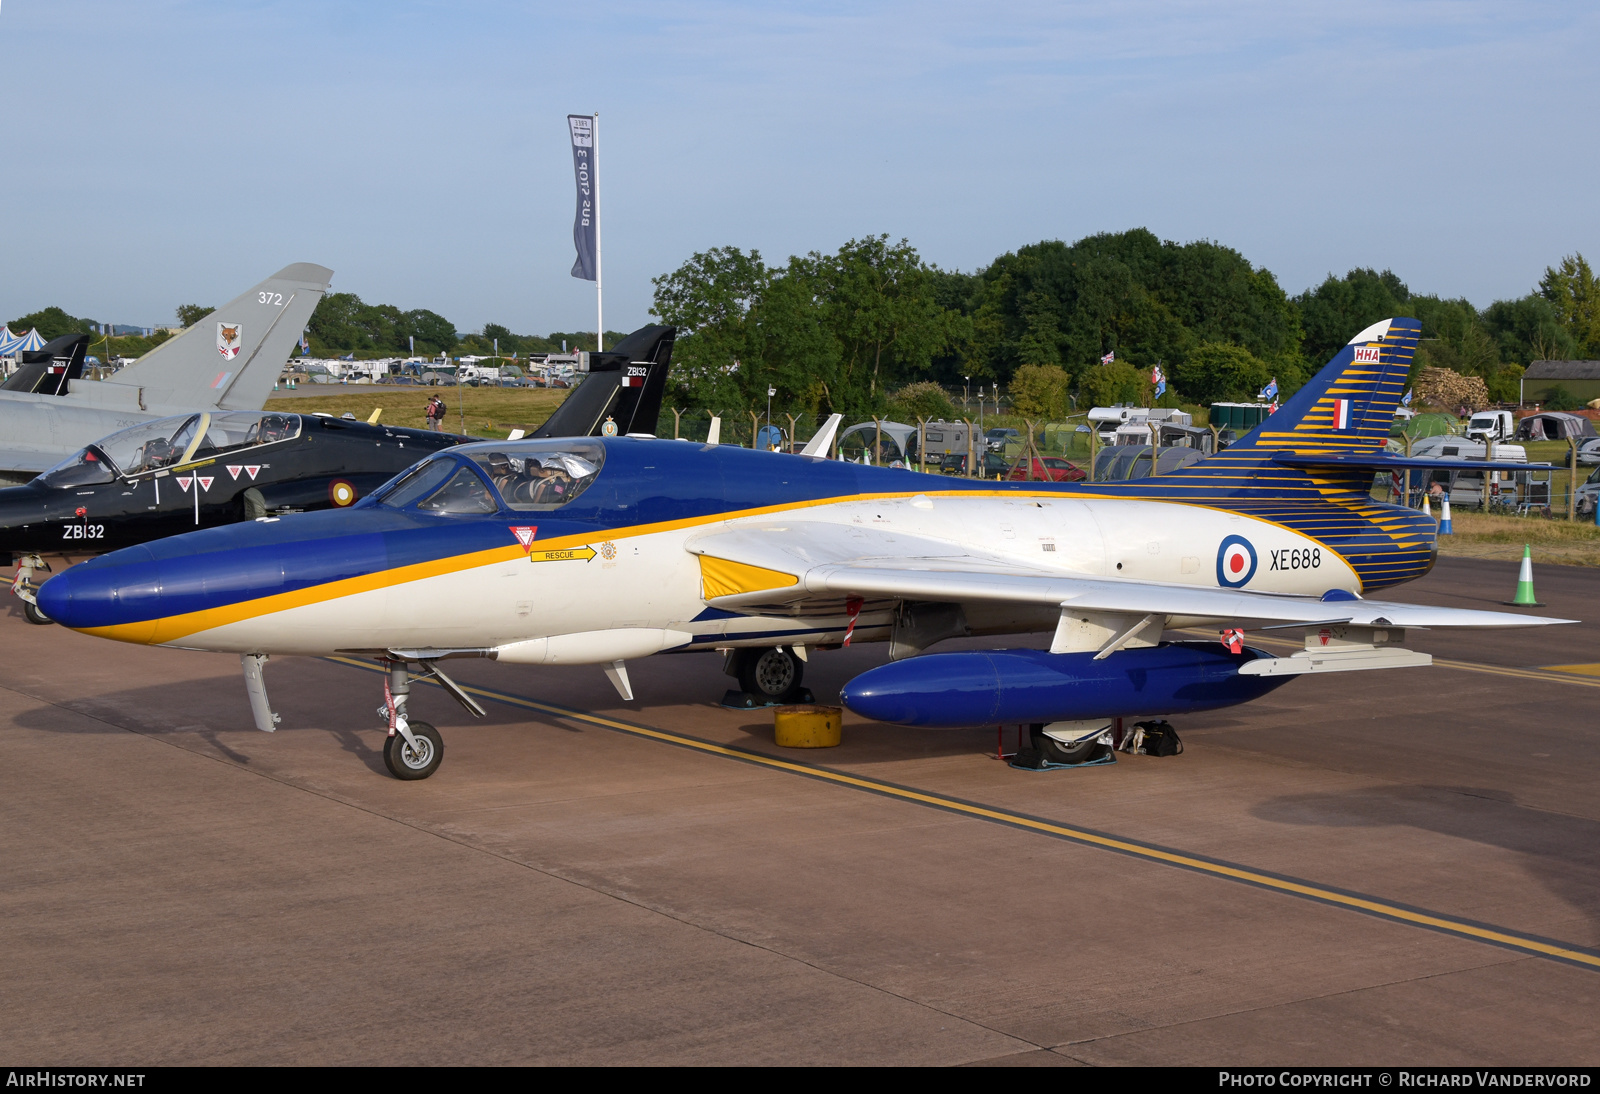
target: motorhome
<point>1126,424</point>
<point>1466,488</point>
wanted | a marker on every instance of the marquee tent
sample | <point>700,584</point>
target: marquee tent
<point>11,344</point>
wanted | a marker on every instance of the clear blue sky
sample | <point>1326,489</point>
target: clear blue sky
<point>174,151</point>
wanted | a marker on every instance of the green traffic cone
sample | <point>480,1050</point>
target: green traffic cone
<point>1525,598</point>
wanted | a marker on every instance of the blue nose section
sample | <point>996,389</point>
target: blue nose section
<point>194,573</point>
<point>122,587</point>
<point>211,568</point>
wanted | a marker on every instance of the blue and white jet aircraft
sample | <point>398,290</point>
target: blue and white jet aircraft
<point>596,551</point>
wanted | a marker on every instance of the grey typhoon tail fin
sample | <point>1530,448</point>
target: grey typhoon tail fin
<point>230,359</point>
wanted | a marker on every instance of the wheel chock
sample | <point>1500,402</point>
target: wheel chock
<point>807,726</point>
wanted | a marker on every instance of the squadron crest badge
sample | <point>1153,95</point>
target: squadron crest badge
<point>228,340</point>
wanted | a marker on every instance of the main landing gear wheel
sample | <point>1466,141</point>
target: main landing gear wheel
<point>31,612</point>
<point>407,762</point>
<point>1080,752</point>
<point>770,675</point>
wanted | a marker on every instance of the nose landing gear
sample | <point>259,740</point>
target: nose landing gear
<point>413,749</point>
<point>26,591</point>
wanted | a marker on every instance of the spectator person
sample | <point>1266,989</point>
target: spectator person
<point>435,413</point>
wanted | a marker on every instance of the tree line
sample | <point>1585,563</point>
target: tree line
<point>873,329</point>
<point>342,324</point>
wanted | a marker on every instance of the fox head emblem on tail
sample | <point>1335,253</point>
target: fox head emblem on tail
<point>228,339</point>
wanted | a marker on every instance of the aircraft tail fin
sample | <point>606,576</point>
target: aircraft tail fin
<point>625,386</point>
<point>230,359</point>
<point>819,444</point>
<point>50,369</point>
<point>1349,406</point>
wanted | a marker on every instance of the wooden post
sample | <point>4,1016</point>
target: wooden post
<point>877,445</point>
<point>922,445</point>
<point>1488,457</point>
<point>1032,453</point>
<point>968,422</point>
<point>755,427</point>
<point>792,418</point>
<point>677,422</point>
<point>1407,479</point>
<point>1094,447</point>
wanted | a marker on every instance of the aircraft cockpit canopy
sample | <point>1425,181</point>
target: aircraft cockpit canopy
<point>167,442</point>
<point>528,476</point>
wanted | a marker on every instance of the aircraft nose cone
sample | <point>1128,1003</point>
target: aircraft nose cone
<point>119,590</point>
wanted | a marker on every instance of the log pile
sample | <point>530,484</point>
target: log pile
<point>1449,390</point>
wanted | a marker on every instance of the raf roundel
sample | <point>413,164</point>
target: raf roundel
<point>341,493</point>
<point>1236,562</point>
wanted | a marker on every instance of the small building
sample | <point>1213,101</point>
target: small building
<point>1580,379</point>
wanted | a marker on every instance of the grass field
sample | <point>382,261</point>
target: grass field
<point>488,412</point>
<point>1480,535</point>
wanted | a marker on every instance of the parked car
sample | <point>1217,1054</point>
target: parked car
<point>1047,469</point>
<point>992,466</point>
<point>998,437</point>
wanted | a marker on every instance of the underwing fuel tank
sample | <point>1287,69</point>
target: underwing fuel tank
<point>990,687</point>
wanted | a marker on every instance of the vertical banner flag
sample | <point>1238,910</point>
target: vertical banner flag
<point>583,226</point>
<point>1159,378</point>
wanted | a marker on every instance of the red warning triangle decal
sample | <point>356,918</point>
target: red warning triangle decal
<point>206,481</point>
<point>234,469</point>
<point>184,481</point>
<point>252,468</point>
<point>525,536</point>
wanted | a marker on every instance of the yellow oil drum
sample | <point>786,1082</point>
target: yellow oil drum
<point>807,726</point>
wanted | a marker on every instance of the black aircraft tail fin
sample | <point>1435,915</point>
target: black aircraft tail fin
<point>49,369</point>
<point>625,386</point>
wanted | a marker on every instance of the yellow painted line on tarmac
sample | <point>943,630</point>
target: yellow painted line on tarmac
<point>1358,902</point>
<point>1580,670</point>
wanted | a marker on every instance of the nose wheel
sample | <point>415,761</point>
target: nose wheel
<point>416,756</point>
<point>413,749</point>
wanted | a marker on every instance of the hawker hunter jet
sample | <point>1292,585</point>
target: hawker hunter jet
<point>172,475</point>
<point>227,361</point>
<point>538,550</point>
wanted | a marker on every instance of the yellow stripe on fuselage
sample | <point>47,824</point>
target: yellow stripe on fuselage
<point>168,629</point>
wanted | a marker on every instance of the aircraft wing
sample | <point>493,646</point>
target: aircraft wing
<point>793,562</point>
<point>16,457</point>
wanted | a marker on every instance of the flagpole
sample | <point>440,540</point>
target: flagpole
<point>599,303</point>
